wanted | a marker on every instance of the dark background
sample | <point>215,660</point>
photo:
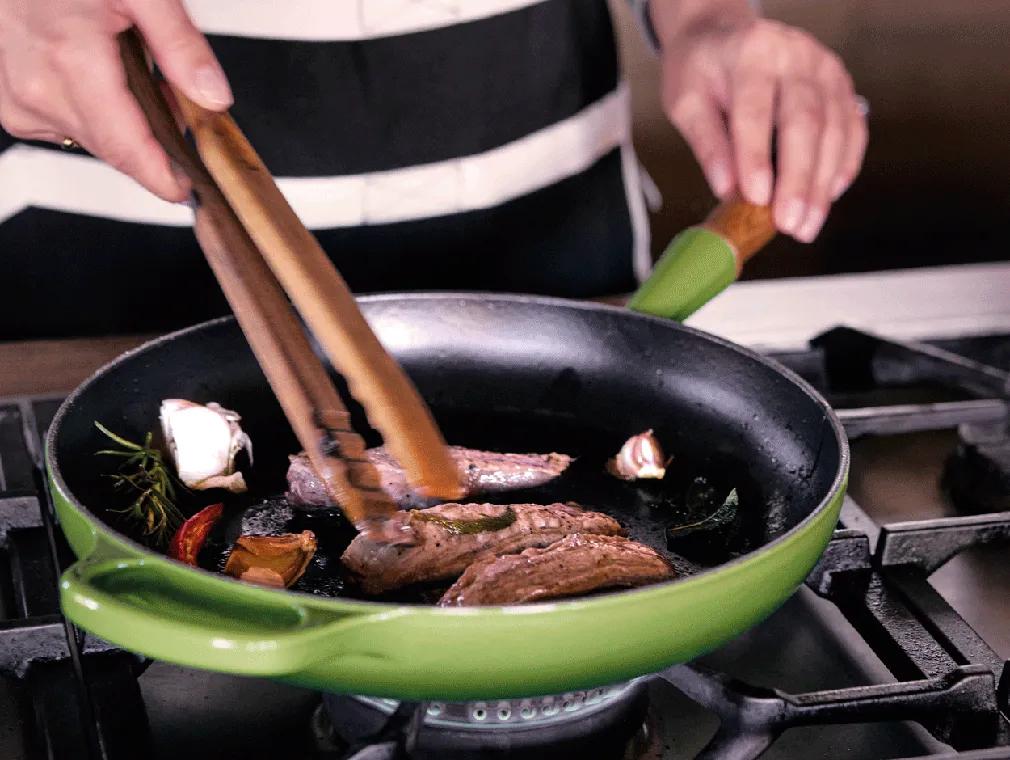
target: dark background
<point>935,188</point>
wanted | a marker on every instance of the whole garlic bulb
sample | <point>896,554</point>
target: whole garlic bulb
<point>203,440</point>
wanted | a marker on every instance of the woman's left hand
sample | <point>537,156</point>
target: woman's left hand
<point>726,85</point>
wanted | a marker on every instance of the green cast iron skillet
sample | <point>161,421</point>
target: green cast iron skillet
<point>500,372</point>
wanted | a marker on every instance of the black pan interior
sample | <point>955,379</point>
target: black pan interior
<point>510,374</point>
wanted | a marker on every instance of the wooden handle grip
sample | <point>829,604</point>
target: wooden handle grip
<point>748,228</point>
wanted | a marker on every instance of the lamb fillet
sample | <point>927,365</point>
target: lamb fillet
<point>481,472</point>
<point>451,536</point>
<point>577,564</point>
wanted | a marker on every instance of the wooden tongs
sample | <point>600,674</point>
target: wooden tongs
<point>259,249</point>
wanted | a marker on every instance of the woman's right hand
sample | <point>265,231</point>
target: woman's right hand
<point>61,77</point>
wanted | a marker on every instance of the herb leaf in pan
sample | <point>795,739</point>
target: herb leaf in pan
<point>699,493</point>
<point>469,527</point>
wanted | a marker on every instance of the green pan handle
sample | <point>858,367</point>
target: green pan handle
<point>702,260</point>
<point>170,613</point>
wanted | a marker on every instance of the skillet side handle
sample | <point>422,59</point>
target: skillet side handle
<point>153,609</point>
<point>703,260</point>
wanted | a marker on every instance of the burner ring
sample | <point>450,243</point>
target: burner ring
<point>496,714</point>
<point>596,722</point>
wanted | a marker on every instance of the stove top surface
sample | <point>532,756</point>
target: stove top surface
<point>889,651</point>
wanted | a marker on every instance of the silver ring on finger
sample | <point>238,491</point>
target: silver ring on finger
<point>862,105</point>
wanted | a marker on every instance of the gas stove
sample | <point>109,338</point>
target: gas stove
<point>894,648</point>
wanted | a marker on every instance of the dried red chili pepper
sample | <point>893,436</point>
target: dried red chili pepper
<point>189,539</point>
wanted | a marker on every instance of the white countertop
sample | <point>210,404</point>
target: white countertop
<point>910,304</point>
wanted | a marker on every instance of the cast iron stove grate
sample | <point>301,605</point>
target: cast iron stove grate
<point>83,698</point>
<point>82,694</point>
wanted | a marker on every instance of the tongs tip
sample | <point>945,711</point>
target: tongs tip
<point>445,492</point>
<point>382,530</point>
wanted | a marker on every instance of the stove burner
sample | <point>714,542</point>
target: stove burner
<point>593,723</point>
<point>537,711</point>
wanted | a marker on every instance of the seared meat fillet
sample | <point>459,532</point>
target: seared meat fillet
<point>451,536</point>
<point>481,472</point>
<point>577,564</point>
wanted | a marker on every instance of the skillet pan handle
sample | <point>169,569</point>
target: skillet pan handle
<point>164,612</point>
<point>704,259</point>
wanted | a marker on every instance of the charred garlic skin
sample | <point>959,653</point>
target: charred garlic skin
<point>277,561</point>
<point>204,440</point>
<point>640,458</point>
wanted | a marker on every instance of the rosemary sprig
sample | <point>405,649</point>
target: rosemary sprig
<point>145,476</point>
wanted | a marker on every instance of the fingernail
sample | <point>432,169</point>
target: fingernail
<point>811,226</point>
<point>213,87</point>
<point>720,179</point>
<point>791,216</point>
<point>838,188</point>
<point>761,187</point>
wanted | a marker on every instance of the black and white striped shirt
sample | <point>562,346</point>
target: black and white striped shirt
<point>429,144</point>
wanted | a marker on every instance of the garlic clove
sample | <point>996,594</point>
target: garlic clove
<point>271,560</point>
<point>234,483</point>
<point>641,457</point>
